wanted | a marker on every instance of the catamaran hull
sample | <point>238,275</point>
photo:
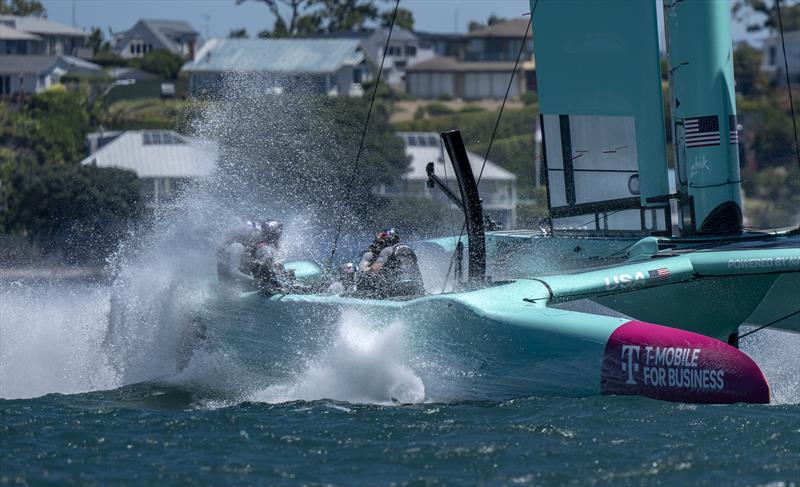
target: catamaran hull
<point>490,344</point>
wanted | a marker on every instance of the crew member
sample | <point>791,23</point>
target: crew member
<point>233,265</point>
<point>389,268</point>
<point>267,262</point>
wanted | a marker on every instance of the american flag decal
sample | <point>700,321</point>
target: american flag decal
<point>733,127</point>
<point>701,131</point>
<point>662,273</point>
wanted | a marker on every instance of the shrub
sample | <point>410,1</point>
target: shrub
<point>437,109</point>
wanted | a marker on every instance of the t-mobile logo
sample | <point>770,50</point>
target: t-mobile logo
<point>628,364</point>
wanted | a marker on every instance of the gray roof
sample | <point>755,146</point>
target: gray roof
<point>36,64</point>
<point>10,33</point>
<point>27,64</point>
<point>40,25</point>
<point>156,154</point>
<point>506,28</point>
<point>276,55</point>
<point>424,147</point>
<point>449,64</point>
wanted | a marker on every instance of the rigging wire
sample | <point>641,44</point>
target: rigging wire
<point>494,131</point>
<point>788,84</point>
<point>349,187</point>
<point>773,322</point>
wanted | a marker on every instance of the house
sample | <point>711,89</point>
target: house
<point>13,41</point>
<point>36,73</point>
<point>405,48</point>
<point>323,66</point>
<point>499,41</point>
<point>498,187</point>
<point>163,160</point>
<point>468,80</point>
<point>175,36</point>
<point>774,64</point>
<point>443,44</point>
<point>44,37</point>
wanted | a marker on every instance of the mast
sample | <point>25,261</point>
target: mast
<point>703,105</point>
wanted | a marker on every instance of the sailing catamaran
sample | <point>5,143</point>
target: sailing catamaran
<point>632,286</point>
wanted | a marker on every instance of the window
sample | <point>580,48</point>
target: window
<point>133,49</point>
<point>5,85</point>
<point>773,55</point>
<point>411,51</point>
<point>161,138</point>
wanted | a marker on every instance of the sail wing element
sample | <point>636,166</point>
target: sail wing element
<point>599,83</point>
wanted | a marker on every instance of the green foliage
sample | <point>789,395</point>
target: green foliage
<point>80,211</point>
<point>472,109</point>
<point>774,137</point>
<point>50,127</point>
<point>404,19</point>
<point>22,8</point>
<point>530,98</point>
<point>444,97</point>
<point>308,17</point>
<point>761,14</point>
<point>750,80</point>
<point>145,113</point>
<point>161,62</point>
<point>437,109</point>
<point>419,113</point>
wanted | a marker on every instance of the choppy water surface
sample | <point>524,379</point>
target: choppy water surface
<point>71,415</point>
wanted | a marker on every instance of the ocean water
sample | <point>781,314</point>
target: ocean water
<point>82,406</point>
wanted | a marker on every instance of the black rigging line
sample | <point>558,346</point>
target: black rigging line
<point>773,322</point>
<point>349,187</point>
<point>788,84</point>
<point>494,131</point>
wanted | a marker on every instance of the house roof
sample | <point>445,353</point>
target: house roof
<point>36,64</point>
<point>450,64</point>
<point>506,28</point>
<point>28,64</point>
<point>424,147</point>
<point>276,55</point>
<point>10,33</point>
<point>40,25</point>
<point>156,154</point>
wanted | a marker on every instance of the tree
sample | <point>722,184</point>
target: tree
<point>750,79</point>
<point>494,19</point>
<point>238,34</point>
<point>768,18</point>
<point>22,8</point>
<point>80,210</point>
<point>306,17</point>
<point>288,23</point>
<point>404,20</point>
<point>95,40</point>
<point>162,62</point>
<point>473,26</point>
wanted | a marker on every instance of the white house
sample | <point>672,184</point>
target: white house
<point>163,160</point>
<point>774,64</point>
<point>36,73</point>
<point>146,35</point>
<point>324,66</point>
<point>498,187</point>
<point>468,80</point>
<point>44,37</point>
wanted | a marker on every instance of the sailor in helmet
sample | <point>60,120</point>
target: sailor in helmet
<point>389,268</point>
<point>267,259</point>
<point>233,265</point>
